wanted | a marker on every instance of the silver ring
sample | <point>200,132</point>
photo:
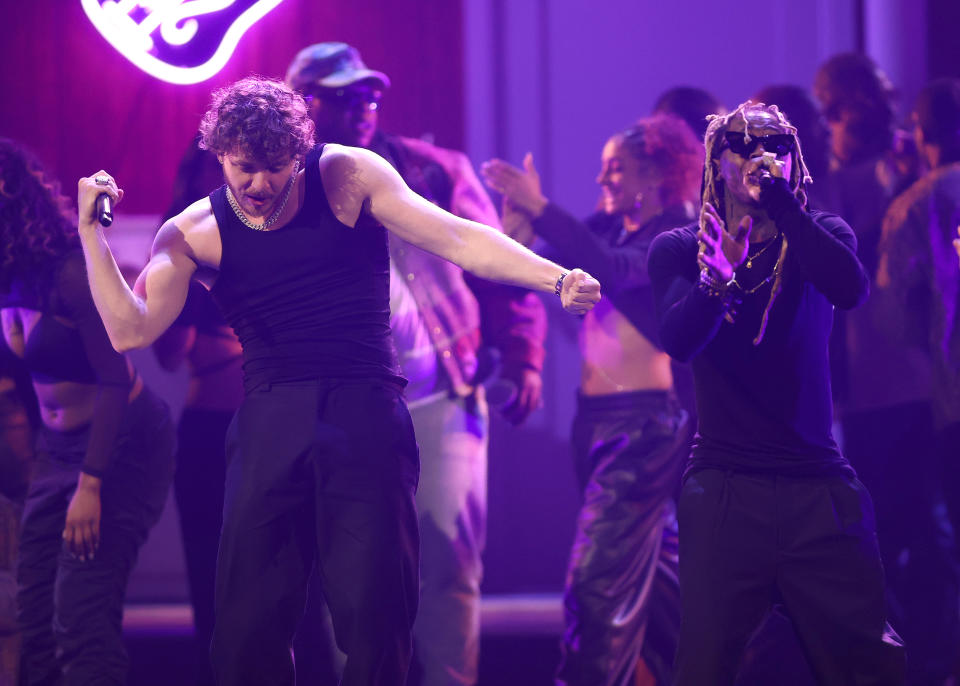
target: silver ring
<point>101,180</point>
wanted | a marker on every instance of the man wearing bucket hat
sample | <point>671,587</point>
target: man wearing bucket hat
<point>444,322</point>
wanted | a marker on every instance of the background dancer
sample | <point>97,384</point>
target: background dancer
<point>629,435</point>
<point>104,448</point>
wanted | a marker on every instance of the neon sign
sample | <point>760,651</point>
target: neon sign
<point>166,39</point>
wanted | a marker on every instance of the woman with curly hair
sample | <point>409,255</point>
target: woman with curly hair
<point>621,596</point>
<point>104,446</point>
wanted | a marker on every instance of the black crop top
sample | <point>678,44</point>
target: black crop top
<point>54,350</point>
<point>78,351</point>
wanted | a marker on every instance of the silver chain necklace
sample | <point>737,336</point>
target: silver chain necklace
<point>276,213</point>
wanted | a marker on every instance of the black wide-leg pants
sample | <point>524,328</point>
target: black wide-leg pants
<point>319,471</point>
<point>747,540</point>
<point>70,611</point>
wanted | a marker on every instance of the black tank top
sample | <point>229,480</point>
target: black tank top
<point>310,299</point>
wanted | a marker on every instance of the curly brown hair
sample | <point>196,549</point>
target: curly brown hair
<point>668,142</point>
<point>37,226</point>
<point>259,117</point>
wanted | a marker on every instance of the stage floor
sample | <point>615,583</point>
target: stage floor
<point>519,642</point>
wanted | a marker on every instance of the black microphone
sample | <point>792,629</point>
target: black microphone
<point>105,209</point>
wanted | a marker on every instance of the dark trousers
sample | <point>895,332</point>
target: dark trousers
<point>894,452</point>
<point>748,540</point>
<point>622,595</point>
<point>198,486</point>
<point>318,471</point>
<point>70,611</point>
<point>16,457</point>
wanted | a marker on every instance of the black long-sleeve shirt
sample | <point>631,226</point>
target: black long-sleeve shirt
<point>765,407</point>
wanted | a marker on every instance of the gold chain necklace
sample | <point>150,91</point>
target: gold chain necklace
<point>276,213</point>
<point>751,258</point>
<point>773,272</point>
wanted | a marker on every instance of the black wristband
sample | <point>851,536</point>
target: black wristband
<point>559,287</point>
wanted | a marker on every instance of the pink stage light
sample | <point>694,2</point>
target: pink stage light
<point>179,41</point>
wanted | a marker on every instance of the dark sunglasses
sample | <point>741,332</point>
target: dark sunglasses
<point>348,99</point>
<point>779,144</point>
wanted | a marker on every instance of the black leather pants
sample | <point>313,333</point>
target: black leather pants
<point>622,591</point>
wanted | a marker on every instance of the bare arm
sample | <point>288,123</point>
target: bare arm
<point>361,178</point>
<point>134,318</point>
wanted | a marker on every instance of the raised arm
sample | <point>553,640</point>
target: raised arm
<point>485,252</point>
<point>619,268</point>
<point>826,251</point>
<point>690,315</point>
<point>135,318</point>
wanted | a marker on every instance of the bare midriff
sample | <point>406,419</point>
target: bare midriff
<point>617,358</point>
<point>64,405</point>
<point>68,405</point>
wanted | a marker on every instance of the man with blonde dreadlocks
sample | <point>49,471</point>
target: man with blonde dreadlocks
<point>770,510</point>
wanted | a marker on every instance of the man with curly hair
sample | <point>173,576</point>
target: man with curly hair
<point>769,510</point>
<point>323,462</point>
<point>445,324</point>
<point>629,433</point>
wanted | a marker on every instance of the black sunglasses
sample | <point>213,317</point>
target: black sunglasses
<point>779,144</point>
<point>347,98</point>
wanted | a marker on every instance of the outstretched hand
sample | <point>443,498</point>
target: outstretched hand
<point>721,252</point>
<point>579,292</point>
<point>520,186</point>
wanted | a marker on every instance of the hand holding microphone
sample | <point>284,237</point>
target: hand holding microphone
<point>104,206</point>
<point>97,196</point>
<point>770,167</point>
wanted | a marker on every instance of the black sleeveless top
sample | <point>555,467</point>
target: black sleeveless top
<point>310,299</point>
